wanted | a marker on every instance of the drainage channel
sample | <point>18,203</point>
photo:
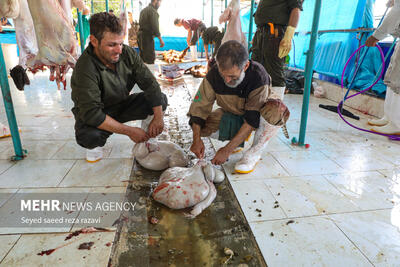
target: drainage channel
<point>154,235</point>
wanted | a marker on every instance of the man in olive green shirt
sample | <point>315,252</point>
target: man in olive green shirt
<point>276,22</point>
<point>212,36</point>
<point>148,29</point>
<point>101,82</point>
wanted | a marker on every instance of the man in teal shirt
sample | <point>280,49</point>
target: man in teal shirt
<point>101,83</point>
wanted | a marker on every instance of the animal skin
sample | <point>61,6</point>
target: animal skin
<point>180,188</point>
<point>159,155</point>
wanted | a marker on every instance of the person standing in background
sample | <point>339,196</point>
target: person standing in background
<point>390,122</point>
<point>148,29</point>
<point>276,22</point>
<point>194,27</point>
<point>212,36</point>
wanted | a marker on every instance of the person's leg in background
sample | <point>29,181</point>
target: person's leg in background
<point>146,47</point>
<point>265,50</point>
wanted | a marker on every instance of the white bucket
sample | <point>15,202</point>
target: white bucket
<point>193,52</point>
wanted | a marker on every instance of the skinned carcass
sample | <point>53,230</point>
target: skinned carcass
<point>234,28</point>
<point>180,188</point>
<point>9,8</point>
<point>55,39</point>
<point>25,34</point>
<point>159,155</point>
<point>123,18</point>
<point>67,6</point>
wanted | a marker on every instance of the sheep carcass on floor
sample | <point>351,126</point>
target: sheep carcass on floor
<point>159,155</point>
<point>180,188</point>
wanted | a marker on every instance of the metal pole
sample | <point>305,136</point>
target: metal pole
<point>212,13</point>
<point>107,6</point>
<point>92,6</point>
<point>250,24</point>
<point>81,35</point>
<point>226,5</point>
<point>309,72</point>
<point>9,107</point>
<point>204,3</point>
<point>132,7</point>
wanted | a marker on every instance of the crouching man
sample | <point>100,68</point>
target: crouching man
<point>101,83</point>
<point>241,88</point>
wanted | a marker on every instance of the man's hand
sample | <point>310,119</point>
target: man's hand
<point>137,135</point>
<point>371,41</point>
<point>390,3</point>
<point>162,43</point>
<point>156,126</point>
<point>198,148</point>
<point>221,156</point>
<point>286,42</point>
<point>86,11</point>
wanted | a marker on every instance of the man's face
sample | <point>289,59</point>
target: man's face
<point>156,3</point>
<point>110,47</point>
<point>234,76</point>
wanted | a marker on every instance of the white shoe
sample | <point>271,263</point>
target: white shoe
<point>389,128</point>
<point>263,134</point>
<point>379,122</point>
<point>94,155</point>
<point>4,131</point>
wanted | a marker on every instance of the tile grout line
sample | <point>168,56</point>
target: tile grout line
<point>58,185</point>
<point>351,241</point>
<point>8,252</point>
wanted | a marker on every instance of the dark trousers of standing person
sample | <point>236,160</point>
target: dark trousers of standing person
<point>135,107</point>
<point>146,47</point>
<point>197,33</point>
<point>265,49</point>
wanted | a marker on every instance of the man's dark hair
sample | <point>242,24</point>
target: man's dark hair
<point>104,22</point>
<point>232,53</point>
<point>111,11</point>
<point>176,21</point>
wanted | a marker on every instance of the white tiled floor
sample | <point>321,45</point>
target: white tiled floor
<point>342,193</point>
<point>54,164</point>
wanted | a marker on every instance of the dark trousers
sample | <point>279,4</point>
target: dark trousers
<point>135,107</point>
<point>265,48</point>
<point>146,47</point>
<point>197,33</point>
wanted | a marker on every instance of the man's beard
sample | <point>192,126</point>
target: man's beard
<point>237,82</point>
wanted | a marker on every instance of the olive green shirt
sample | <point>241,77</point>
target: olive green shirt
<point>148,21</point>
<point>98,90</point>
<point>212,35</point>
<point>275,11</point>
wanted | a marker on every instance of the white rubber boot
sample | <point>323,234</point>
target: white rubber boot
<point>94,155</point>
<point>263,134</point>
<point>277,92</point>
<point>379,122</point>
<point>389,128</point>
